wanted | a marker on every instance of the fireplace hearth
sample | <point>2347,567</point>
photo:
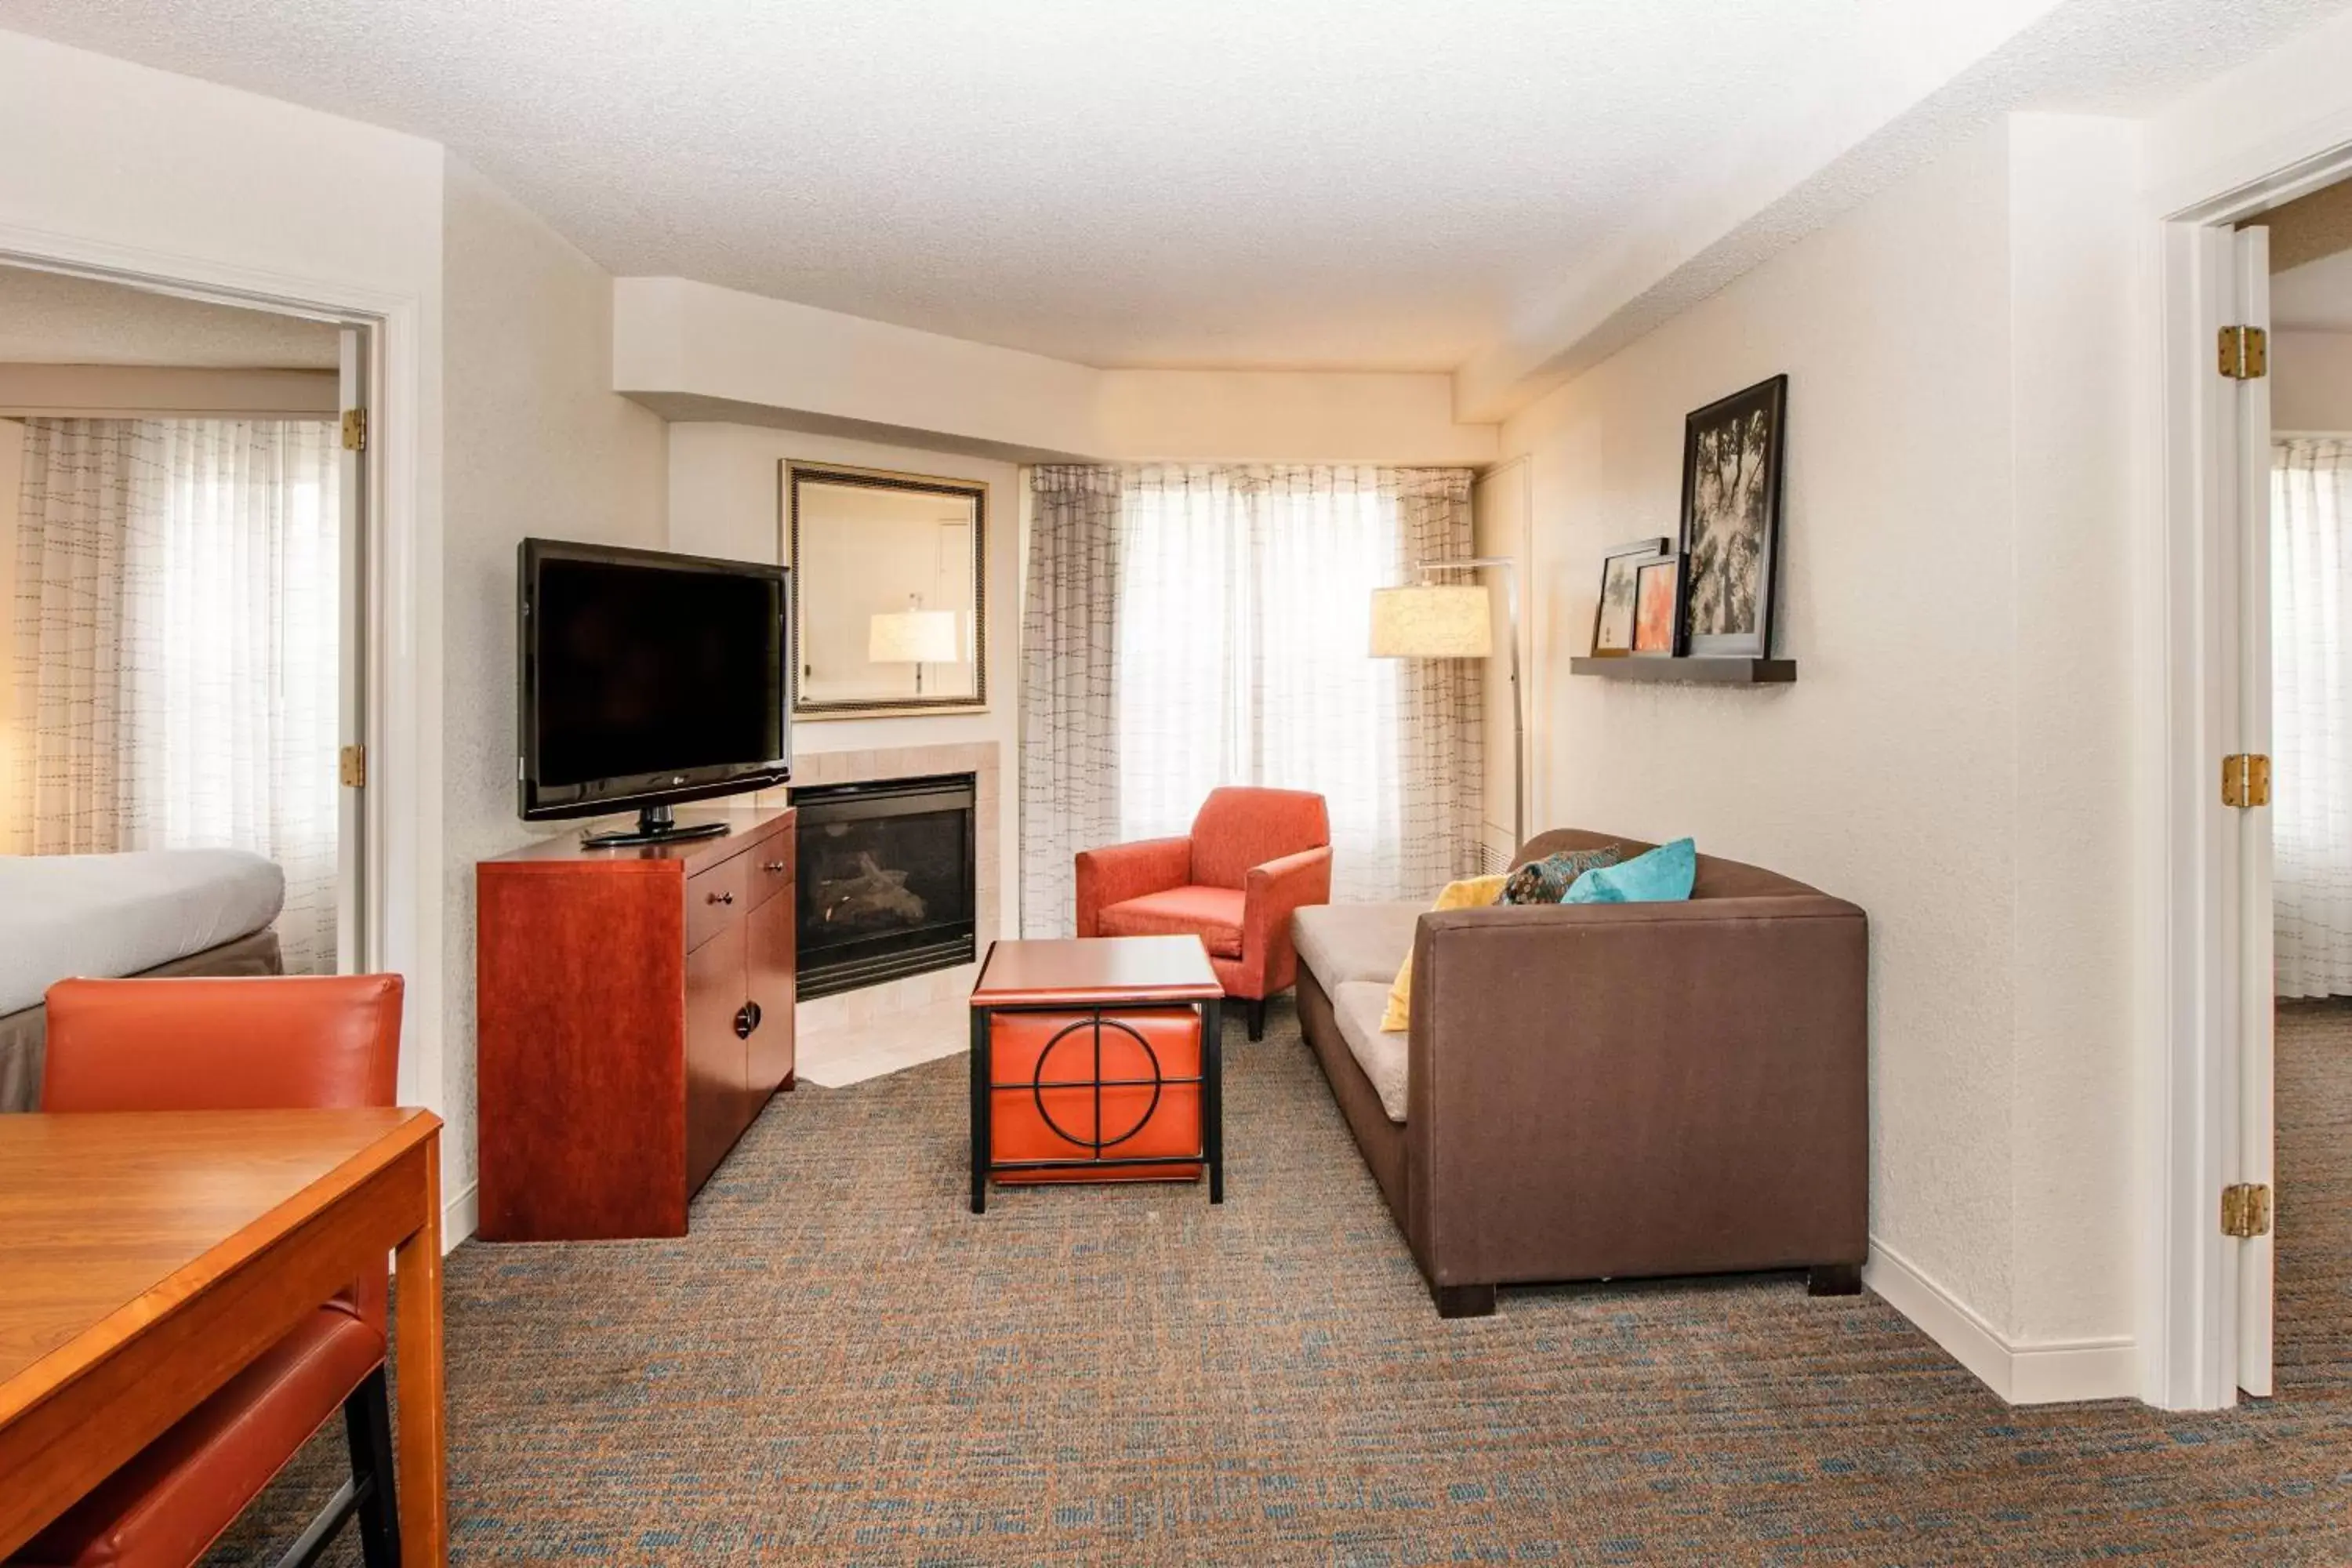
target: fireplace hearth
<point>887,875</point>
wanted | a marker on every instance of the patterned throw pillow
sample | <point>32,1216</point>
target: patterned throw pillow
<point>1547,880</point>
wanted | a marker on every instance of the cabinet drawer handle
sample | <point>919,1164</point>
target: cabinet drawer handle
<point>775,865</point>
<point>723,897</point>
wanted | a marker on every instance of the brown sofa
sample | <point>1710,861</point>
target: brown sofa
<point>1593,1091</point>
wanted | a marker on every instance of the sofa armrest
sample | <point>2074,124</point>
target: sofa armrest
<point>1600,1090</point>
<point>1271,894</point>
<point>1118,872</point>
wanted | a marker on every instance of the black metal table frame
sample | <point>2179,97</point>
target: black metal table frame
<point>1097,1017</point>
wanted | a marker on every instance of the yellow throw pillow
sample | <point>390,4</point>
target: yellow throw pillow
<point>1470,893</point>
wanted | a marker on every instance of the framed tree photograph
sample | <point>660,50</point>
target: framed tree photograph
<point>1656,599</point>
<point>1731,521</point>
<point>1612,617</point>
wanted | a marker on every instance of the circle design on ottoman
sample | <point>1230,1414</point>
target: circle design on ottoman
<point>1037,1085</point>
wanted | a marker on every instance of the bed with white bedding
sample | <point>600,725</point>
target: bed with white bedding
<point>156,911</point>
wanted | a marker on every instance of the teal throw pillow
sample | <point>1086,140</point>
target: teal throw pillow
<point>1546,881</point>
<point>1663,875</point>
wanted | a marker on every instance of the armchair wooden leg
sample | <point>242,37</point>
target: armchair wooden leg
<point>1257,1018</point>
<point>1834,1279</point>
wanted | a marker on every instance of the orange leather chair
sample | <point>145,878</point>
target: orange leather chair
<point>236,1045</point>
<point>1254,856</point>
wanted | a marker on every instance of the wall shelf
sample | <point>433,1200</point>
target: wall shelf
<point>1697,671</point>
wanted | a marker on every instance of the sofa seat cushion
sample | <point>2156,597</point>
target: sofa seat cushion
<point>1212,914</point>
<point>1341,943</point>
<point>1358,1005</point>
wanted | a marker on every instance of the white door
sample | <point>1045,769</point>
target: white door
<point>2256,1004</point>
<point>353,941</point>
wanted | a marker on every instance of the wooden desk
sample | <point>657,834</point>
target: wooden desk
<point>144,1259</point>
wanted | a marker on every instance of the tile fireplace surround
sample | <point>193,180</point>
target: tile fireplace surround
<point>875,1003</point>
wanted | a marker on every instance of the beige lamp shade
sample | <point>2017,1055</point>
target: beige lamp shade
<point>912,636</point>
<point>1431,622</point>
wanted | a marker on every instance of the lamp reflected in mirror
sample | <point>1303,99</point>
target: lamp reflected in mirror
<point>912,635</point>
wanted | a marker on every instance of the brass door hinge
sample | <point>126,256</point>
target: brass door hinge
<point>355,429</point>
<point>2245,353</point>
<point>355,767</point>
<point>2246,1210</point>
<point>2246,780</point>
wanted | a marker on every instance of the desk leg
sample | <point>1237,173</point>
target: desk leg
<point>1213,1100</point>
<point>980,1108</point>
<point>422,1481</point>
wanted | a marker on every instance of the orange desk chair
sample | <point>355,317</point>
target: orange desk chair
<point>236,1045</point>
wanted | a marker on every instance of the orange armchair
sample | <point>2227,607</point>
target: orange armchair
<point>235,1044</point>
<point>1254,856</point>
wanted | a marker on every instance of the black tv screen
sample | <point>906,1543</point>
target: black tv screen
<point>647,678</point>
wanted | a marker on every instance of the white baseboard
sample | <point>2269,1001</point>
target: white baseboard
<point>2035,1372</point>
<point>459,1216</point>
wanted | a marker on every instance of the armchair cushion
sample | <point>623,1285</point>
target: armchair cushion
<point>1118,872</point>
<point>1212,914</point>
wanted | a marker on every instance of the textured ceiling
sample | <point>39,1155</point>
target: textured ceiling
<point>1360,182</point>
<point>47,318</point>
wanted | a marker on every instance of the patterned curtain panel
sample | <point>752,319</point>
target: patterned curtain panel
<point>200,712</point>
<point>64,766</point>
<point>1232,649</point>
<point>2311,682</point>
<point>1069,692</point>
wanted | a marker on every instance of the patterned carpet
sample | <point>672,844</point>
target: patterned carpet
<point>842,1365</point>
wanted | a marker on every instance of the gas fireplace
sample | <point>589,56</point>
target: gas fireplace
<point>887,875</point>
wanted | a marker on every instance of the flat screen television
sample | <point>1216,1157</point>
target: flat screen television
<point>648,679</point>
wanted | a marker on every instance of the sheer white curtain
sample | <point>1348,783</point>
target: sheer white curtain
<point>198,708</point>
<point>1231,647</point>
<point>2311,678</point>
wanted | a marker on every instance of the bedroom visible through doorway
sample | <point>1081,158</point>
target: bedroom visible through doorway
<point>182,628</point>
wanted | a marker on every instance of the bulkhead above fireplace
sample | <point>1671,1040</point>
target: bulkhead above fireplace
<point>887,880</point>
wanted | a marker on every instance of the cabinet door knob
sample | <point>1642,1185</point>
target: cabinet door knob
<point>747,1018</point>
<point>775,865</point>
<point>723,897</point>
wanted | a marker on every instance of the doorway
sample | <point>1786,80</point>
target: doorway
<point>2309,580</point>
<point>186,584</point>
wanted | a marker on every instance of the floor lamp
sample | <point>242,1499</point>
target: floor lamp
<point>1436,620</point>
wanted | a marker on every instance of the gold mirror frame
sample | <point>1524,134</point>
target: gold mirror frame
<point>790,477</point>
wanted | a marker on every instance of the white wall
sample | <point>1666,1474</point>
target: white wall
<point>2311,382</point>
<point>536,443</point>
<point>1949,597</point>
<point>724,482</point>
<point>116,166</point>
<point>697,353</point>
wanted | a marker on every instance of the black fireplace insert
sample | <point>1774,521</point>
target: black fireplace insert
<point>887,874</point>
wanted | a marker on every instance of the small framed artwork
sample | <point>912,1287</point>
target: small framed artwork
<point>1612,617</point>
<point>1731,521</point>
<point>1657,603</point>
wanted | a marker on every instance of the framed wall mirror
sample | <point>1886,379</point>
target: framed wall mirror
<point>889,591</point>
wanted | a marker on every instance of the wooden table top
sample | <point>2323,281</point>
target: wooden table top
<point>1087,970</point>
<point>109,1222</point>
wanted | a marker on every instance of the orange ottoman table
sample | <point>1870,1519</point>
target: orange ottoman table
<point>1096,1060</point>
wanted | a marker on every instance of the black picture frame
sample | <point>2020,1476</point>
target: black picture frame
<point>1617,566</point>
<point>1730,554</point>
<point>1672,570</point>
